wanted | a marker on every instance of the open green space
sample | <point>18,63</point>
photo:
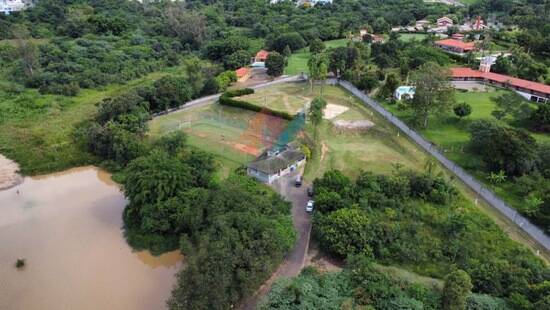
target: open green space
<point>235,136</point>
<point>376,149</point>
<point>37,130</point>
<point>297,62</point>
<point>406,37</point>
<point>287,97</point>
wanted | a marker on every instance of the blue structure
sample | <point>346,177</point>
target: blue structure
<point>404,92</point>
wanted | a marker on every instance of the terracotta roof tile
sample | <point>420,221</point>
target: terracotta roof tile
<point>501,78</point>
<point>456,43</point>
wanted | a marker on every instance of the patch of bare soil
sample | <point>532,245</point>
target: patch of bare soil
<point>324,150</point>
<point>333,110</point>
<point>322,262</point>
<point>9,175</point>
<point>353,125</point>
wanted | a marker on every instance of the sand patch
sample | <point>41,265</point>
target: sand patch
<point>8,173</point>
<point>247,149</point>
<point>333,110</point>
<point>354,125</point>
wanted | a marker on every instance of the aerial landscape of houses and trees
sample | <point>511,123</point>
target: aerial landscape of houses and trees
<point>275,154</point>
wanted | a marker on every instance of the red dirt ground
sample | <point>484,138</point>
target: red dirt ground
<point>247,149</point>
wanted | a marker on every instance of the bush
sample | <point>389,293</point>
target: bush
<point>462,109</point>
<point>485,302</point>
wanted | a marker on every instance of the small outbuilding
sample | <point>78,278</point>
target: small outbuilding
<point>276,162</point>
<point>404,92</point>
<point>242,74</point>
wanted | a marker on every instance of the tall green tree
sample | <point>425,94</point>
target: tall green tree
<point>434,93</point>
<point>316,46</point>
<point>275,64</point>
<point>318,69</point>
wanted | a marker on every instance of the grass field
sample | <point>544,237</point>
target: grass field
<point>406,37</point>
<point>377,149</point>
<point>235,136</point>
<point>287,97</point>
<point>297,62</point>
<point>36,130</point>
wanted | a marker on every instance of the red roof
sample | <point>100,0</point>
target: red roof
<point>262,54</point>
<point>242,72</point>
<point>500,78</point>
<point>457,44</point>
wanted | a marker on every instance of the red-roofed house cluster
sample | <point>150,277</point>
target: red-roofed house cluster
<point>258,61</point>
<point>455,46</point>
<point>530,90</point>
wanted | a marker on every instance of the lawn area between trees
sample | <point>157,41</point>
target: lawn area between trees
<point>36,130</point>
<point>451,135</point>
<point>297,62</point>
<point>406,37</point>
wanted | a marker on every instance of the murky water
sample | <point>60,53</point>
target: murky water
<point>67,227</point>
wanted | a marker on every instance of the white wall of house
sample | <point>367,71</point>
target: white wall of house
<point>263,177</point>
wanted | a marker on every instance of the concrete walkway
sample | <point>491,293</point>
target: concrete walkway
<point>485,193</point>
<point>212,98</point>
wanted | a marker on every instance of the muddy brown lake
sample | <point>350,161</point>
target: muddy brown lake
<point>67,227</point>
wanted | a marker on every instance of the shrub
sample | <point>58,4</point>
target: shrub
<point>462,109</point>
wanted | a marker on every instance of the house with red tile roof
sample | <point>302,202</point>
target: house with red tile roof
<point>455,46</point>
<point>261,56</point>
<point>242,74</point>
<point>533,91</point>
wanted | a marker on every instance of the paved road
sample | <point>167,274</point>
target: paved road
<point>294,261</point>
<point>483,192</point>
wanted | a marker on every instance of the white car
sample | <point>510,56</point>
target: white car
<point>309,206</point>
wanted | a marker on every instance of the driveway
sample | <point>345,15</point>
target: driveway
<point>294,261</point>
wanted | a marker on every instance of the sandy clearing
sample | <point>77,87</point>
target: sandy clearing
<point>9,175</point>
<point>333,110</point>
<point>360,124</point>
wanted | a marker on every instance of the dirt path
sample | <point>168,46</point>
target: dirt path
<point>296,259</point>
<point>8,173</point>
<point>324,150</point>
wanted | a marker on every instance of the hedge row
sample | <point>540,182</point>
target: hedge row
<point>227,99</point>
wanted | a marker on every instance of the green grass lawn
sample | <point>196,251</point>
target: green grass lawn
<point>297,62</point>
<point>281,97</point>
<point>406,37</point>
<point>377,149</point>
<point>39,136</point>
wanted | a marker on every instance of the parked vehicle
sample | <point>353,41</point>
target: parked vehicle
<point>310,191</point>
<point>298,182</point>
<point>309,206</point>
